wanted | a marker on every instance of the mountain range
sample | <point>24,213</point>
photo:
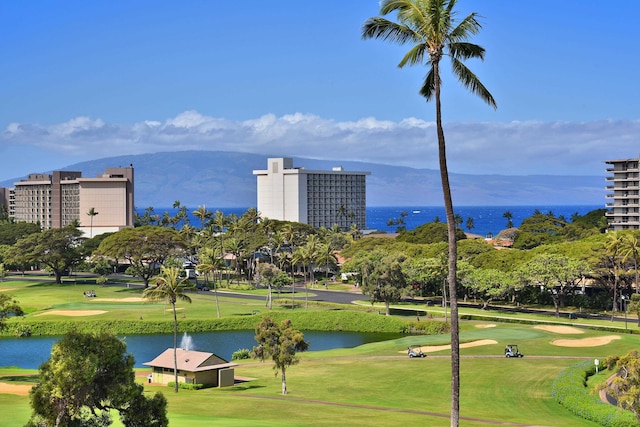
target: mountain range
<point>220,179</point>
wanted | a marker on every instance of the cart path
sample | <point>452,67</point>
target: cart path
<point>380,408</point>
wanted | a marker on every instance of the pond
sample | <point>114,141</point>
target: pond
<point>30,352</point>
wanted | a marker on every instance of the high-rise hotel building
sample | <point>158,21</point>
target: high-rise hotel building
<point>623,184</point>
<point>101,204</point>
<point>317,198</point>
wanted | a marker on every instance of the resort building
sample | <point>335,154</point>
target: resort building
<point>317,198</point>
<point>623,199</point>
<point>101,204</point>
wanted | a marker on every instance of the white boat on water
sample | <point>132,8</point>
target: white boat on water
<point>417,211</point>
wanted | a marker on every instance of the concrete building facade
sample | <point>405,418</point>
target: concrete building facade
<point>623,197</point>
<point>317,198</point>
<point>58,199</point>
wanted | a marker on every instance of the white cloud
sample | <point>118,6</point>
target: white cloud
<point>515,148</point>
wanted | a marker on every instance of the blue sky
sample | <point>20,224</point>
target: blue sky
<point>84,80</point>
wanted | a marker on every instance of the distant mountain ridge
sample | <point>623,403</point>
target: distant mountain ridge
<point>221,179</point>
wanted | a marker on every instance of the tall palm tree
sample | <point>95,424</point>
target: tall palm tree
<point>92,212</point>
<point>613,250</point>
<point>431,27</point>
<point>203,214</point>
<point>170,289</point>
<point>509,217</point>
<point>630,248</point>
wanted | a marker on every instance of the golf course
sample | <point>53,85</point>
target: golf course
<point>374,384</point>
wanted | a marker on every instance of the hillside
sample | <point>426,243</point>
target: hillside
<point>225,179</point>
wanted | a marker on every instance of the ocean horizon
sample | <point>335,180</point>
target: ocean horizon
<point>486,219</point>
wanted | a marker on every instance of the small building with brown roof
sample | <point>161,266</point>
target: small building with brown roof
<point>194,367</point>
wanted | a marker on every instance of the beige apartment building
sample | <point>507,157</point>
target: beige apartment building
<point>56,200</point>
<point>317,198</point>
<point>623,184</point>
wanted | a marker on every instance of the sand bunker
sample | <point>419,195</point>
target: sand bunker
<point>433,348</point>
<point>129,299</point>
<point>73,313</point>
<point>6,290</point>
<point>586,342</point>
<point>560,329</point>
<point>19,389</point>
<point>488,325</point>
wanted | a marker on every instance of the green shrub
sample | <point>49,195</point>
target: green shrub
<point>570,390</point>
<point>187,386</point>
<point>243,353</point>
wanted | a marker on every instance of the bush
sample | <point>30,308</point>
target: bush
<point>243,353</point>
<point>570,390</point>
<point>186,386</point>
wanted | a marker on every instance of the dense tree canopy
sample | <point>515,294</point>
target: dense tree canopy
<point>11,232</point>
<point>56,248</point>
<point>431,232</point>
<point>87,376</point>
<point>145,248</point>
<point>8,307</point>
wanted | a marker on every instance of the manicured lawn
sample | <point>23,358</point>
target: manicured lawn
<point>371,385</point>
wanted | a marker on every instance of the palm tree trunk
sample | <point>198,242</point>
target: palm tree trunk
<point>453,255</point>
<point>215,292</point>
<point>175,347</point>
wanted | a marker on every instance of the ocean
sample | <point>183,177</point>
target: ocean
<point>486,219</point>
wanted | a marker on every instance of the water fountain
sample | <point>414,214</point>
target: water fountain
<point>187,342</point>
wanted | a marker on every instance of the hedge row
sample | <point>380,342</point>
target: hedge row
<point>570,390</point>
<point>327,320</point>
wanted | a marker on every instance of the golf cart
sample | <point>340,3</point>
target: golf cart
<point>511,350</point>
<point>415,351</point>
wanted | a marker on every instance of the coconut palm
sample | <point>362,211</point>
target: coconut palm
<point>431,26</point>
<point>630,249</point>
<point>92,212</point>
<point>170,289</point>
<point>203,214</point>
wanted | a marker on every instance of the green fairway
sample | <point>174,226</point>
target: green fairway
<point>371,385</point>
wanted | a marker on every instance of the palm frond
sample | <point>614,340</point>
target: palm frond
<point>381,28</point>
<point>471,82</point>
<point>465,50</point>
<point>429,85</point>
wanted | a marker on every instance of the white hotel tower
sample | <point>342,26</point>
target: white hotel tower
<point>317,198</point>
<point>624,200</point>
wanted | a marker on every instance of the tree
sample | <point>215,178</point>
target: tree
<point>267,273</point>
<point>92,212</point>
<point>557,274</point>
<point>625,386</point>
<point>326,258</point>
<point>470,224</point>
<point>630,249</point>
<point>8,306</point>
<point>431,25</point>
<point>280,342</point>
<point>634,306</point>
<point>203,214</point>
<point>613,249</point>
<point>11,232</point>
<point>209,263</point>
<point>509,217</point>
<point>487,284</point>
<point>384,279</point>
<point>57,248</point>
<point>86,377</point>
<point>145,248</point>
<point>169,288</point>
